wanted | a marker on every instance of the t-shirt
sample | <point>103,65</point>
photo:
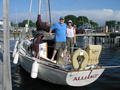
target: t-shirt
<point>70,32</point>
<point>60,30</point>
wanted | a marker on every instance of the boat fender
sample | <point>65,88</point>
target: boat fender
<point>34,71</point>
<point>16,57</point>
<point>15,49</point>
<point>79,59</point>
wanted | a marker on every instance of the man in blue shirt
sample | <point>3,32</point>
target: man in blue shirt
<point>60,35</point>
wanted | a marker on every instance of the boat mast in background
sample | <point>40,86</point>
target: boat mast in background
<point>49,11</point>
<point>41,26</point>
<point>39,7</point>
<point>29,16</point>
<point>6,55</point>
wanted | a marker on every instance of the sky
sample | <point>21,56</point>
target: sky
<point>96,10</point>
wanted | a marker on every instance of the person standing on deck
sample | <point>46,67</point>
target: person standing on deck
<point>60,36</point>
<point>71,36</point>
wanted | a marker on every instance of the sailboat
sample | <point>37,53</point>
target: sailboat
<point>82,69</point>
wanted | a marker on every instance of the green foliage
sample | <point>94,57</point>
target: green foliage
<point>31,24</point>
<point>94,24</point>
<point>80,20</point>
<point>71,17</point>
<point>111,23</point>
<point>118,22</point>
<point>14,24</point>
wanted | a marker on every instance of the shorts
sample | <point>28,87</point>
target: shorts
<point>60,45</point>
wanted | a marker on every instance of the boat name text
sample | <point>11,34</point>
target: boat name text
<point>85,77</point>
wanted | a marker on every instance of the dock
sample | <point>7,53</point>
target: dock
<point>94,34</point>
<point>112,39</point>
<point>1,75</point>
<point>109,34</point>
<point>1,70</point>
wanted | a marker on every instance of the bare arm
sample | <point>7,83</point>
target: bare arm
<point>50,32</point>
<point>74,35</point>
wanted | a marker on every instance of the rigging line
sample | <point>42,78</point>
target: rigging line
<point>29,16</point>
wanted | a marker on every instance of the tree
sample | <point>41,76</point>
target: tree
<point>82,20</point>
<point>118,22</point>
<point>71,17</point>
<point>22,24</point>
<point>94,24</point>
<point>12,24</point>
<point>110,23</point>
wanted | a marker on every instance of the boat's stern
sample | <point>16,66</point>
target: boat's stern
<point>82,78</point>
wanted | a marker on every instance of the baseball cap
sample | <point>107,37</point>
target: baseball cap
<point>61,18</point>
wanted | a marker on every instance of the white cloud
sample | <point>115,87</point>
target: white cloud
<point>99,16</point>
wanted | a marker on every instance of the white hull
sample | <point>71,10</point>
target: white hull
<point>50,72</point>
<point>45,72</point>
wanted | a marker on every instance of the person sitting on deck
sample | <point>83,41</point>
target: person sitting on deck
<point>60,36</point>
<point>71,36</point>
<point>36,43</point>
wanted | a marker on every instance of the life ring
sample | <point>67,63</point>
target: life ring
<point>79,59</point>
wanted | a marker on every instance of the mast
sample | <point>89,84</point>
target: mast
<point>39,7</point>
<point>29,16</point>
<point>49,11</point>
<point>39,21</point>
<point>6,55</point>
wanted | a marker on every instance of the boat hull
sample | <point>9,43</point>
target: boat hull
<point>56,76</point>
<point>45,72</point>
<point>82,78</point>
<point>50,72</point>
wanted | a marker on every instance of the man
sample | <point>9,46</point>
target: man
<point>60,36</point>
